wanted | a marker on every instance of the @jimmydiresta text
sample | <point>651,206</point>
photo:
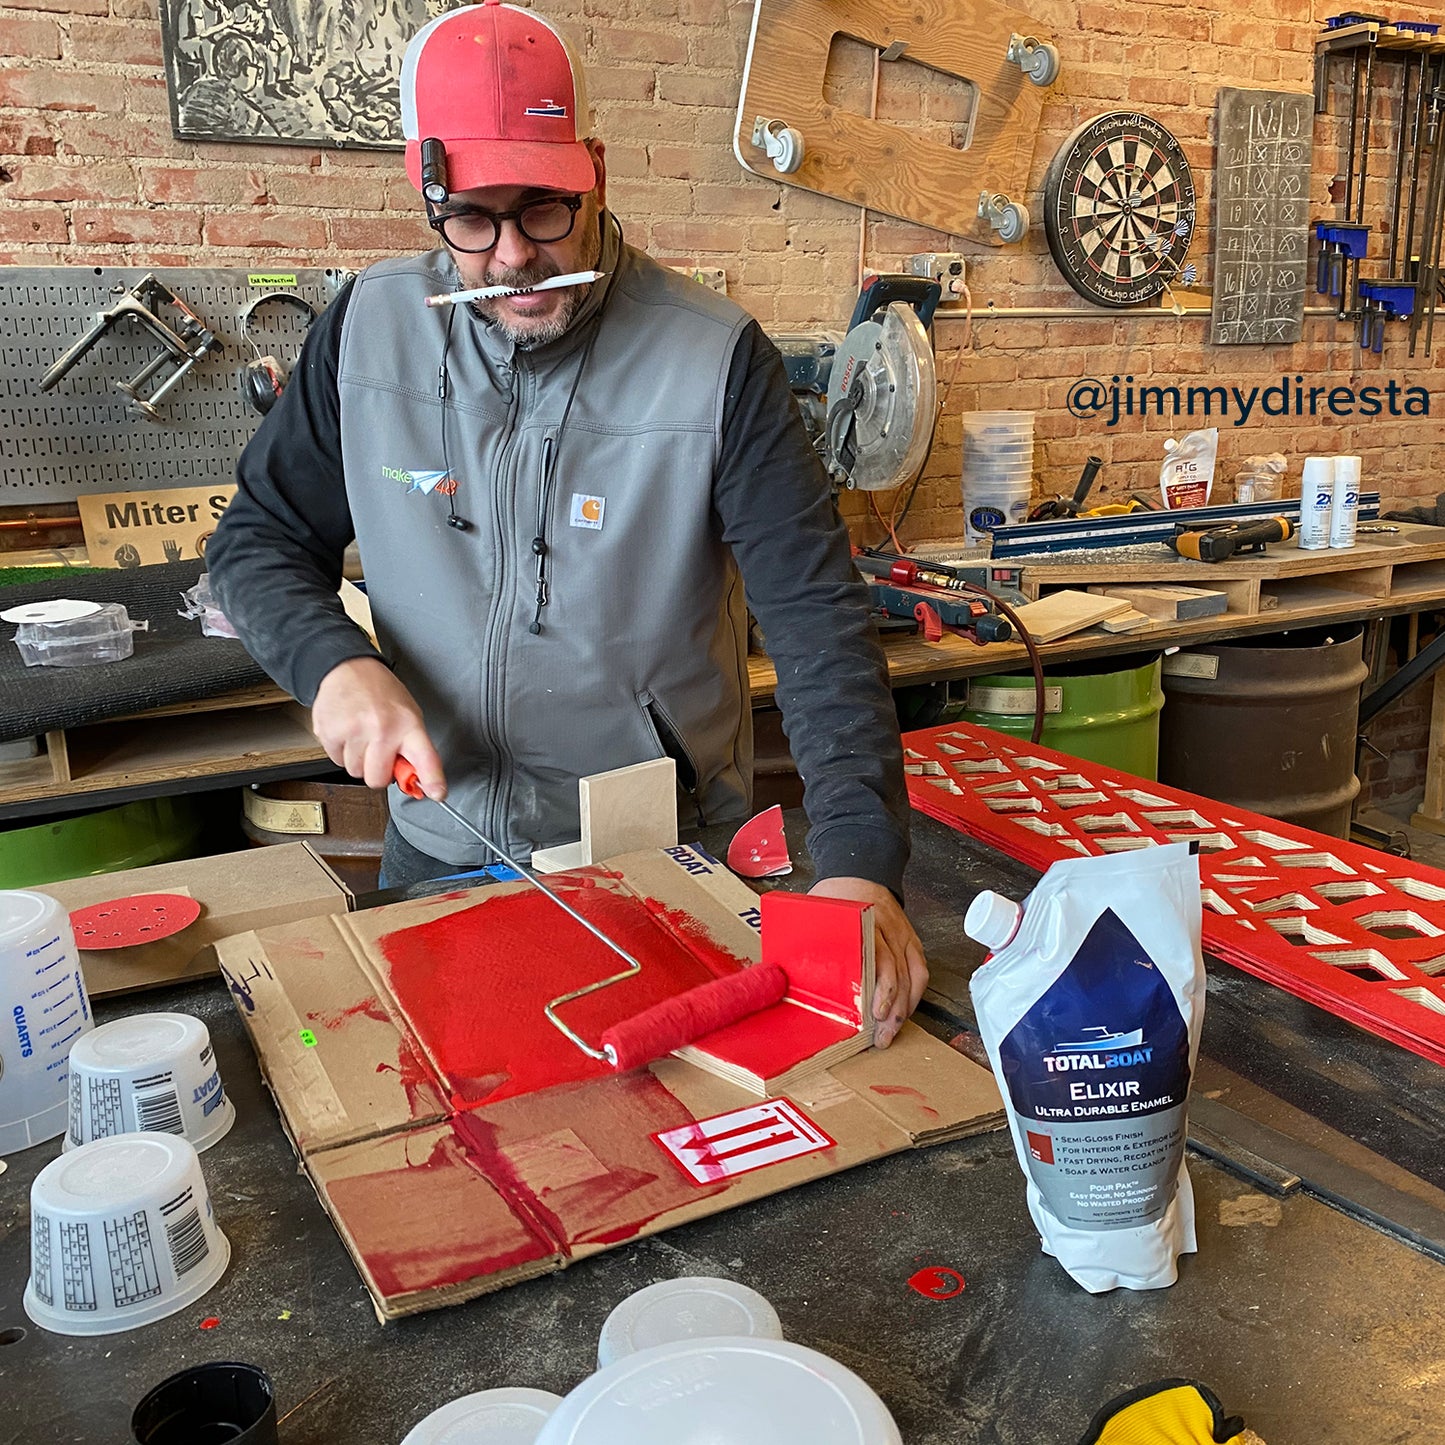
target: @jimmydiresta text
<point>1109,402</point>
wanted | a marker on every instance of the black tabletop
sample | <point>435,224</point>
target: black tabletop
<point>1312,1325</point>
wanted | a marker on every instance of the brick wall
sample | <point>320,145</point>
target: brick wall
<point>90,173</point>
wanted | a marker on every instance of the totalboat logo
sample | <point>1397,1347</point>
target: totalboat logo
<point>1100,1049</point>
<point>424,482</point>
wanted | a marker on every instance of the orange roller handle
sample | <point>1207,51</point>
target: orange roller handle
<point>406,777</point>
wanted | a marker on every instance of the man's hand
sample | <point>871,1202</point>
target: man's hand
<point>902,972</point>
<point>364,718</point>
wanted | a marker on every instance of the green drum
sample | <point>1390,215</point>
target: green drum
<point>1104,711</point>
<point>155,830</point>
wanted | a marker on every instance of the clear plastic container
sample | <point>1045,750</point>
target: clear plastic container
<point>104,635</point>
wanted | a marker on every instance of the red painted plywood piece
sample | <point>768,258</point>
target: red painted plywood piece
<point>1352,930</point>
<point>818,942</point>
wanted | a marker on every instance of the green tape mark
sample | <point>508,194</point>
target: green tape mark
<point>308,1038</point>
<point>271,278</point>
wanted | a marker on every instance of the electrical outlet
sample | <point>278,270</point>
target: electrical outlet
<point>948,268</point>
<point>713,277</point>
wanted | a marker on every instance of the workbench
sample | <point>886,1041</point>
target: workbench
<point>1315,1326</point>
<point>259,734</point>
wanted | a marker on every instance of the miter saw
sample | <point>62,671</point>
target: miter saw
<point>869,398</point>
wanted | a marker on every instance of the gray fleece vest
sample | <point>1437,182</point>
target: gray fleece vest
<point>642,647</point>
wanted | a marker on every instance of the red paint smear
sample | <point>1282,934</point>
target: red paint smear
<point>938,1282</point>
<point>609,1121</point>
<point>210,1322</point>
<point>892,1090</point>
<point>435,1223</point>
<point>370,1008</point>
<point>472,984</point>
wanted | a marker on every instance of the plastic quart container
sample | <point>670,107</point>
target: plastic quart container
<point>44,1009</point>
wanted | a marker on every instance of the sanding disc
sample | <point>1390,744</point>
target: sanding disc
<point>58,609</point>
<point>759,848</point>
<point>125,922</point>
<point>512,1416</point>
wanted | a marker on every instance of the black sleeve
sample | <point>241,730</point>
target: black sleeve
<point>779,518</point>
<point>275,560</point>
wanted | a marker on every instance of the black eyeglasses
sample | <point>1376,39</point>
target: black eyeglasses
<point>471,229</point>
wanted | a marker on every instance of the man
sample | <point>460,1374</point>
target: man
<point>552,493</point>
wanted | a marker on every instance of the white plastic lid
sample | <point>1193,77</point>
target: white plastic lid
<point>1318,469</point>
<point>490,1417</point>
<point>1348,467</point>
<point>685,1309</point>
<point>992,919</point>
<point>722,1392</point>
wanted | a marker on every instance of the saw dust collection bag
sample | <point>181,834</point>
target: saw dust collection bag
<point>1091,1008</point>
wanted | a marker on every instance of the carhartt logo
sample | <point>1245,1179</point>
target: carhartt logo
<point>587,511</point>
<point>425,482</point>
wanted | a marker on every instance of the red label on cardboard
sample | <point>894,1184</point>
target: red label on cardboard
<point>742,1140</point>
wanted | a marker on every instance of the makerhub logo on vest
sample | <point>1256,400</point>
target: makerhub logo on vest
<point>442,482</point>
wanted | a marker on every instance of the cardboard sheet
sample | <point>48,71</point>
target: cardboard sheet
<point>442,1194</point>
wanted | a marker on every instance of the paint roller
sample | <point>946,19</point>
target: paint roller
<point>665,1026</point>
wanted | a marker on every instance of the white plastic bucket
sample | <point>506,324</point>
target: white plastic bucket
<point>147,1073</point>
<point>121,1234</point>
<point>43,1010</point>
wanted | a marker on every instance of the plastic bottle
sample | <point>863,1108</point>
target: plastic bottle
<point>1345,506</point>
<point>1316,500</point>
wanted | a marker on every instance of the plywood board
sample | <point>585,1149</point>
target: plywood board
<point>879,164</point>
<point>1061,613</point>
<point>629,809</point>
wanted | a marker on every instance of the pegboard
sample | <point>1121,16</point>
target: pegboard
<point>83,435</point>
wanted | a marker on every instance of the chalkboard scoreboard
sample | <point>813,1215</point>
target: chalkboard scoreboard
<point>1261,235</point>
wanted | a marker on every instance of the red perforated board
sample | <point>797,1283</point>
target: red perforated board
<point>1355,931</point>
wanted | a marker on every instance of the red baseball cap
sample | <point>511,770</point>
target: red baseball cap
<point>503,92</point>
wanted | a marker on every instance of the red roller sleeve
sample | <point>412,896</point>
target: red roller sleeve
<point>688,1016</point>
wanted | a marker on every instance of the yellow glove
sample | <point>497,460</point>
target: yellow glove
<point>1168,1412</point>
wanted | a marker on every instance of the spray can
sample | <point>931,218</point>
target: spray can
<point>1345,508</point>
<point>1316,501</point>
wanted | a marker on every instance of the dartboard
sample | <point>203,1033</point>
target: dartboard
<point>1119,208</point>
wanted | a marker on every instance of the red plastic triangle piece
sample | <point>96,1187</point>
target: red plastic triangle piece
<point>125,922</point>
<point>759,848</point>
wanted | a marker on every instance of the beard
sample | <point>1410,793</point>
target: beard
<point>538,331</point>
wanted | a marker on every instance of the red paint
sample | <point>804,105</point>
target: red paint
<point>369,1008</point>
<point>608,1123</point>
<point>818,942</point>
<point>904,1091</point>
<point>126,922</point>
<point>210,1322</point>
<point>472,984</point>
<point>938,1282</point>
<point>469,1230</point>
<point>772,1042</point>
